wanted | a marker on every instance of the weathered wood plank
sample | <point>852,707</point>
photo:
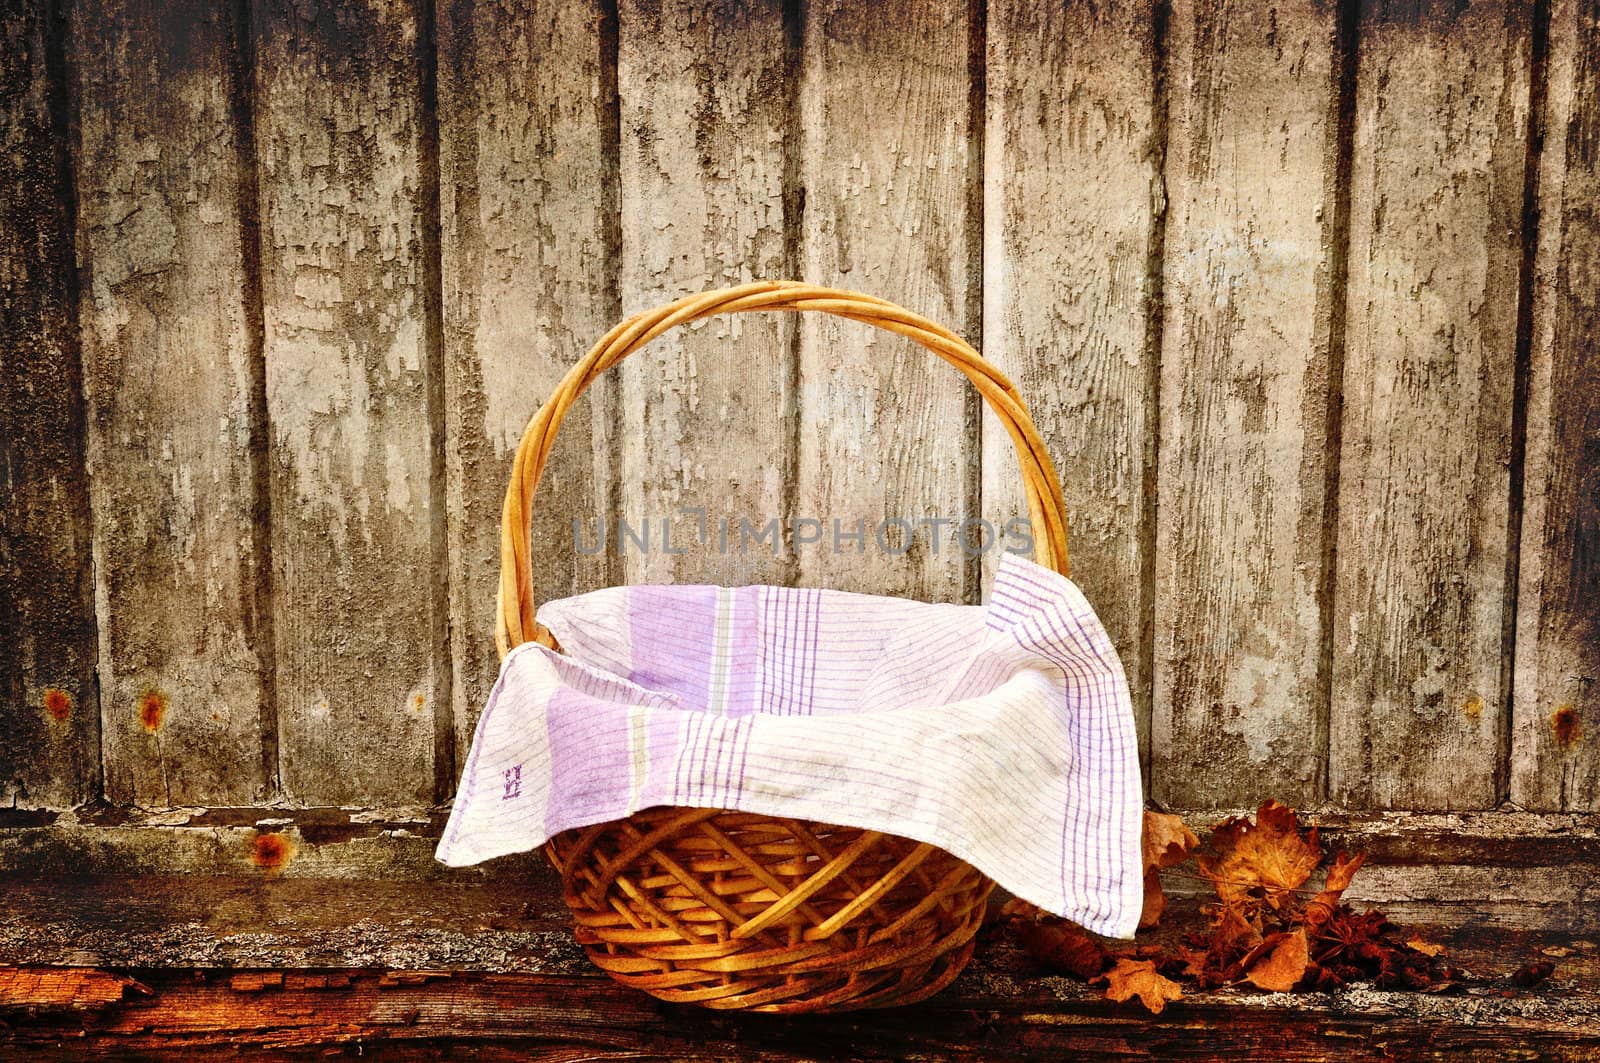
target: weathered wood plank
<point>707,413</point>
<point>1249,289</point>
<point>49,718</point>
<point>528,205</point>
<point>1435,244</point>
<point>890,166</point>
<point>1072,209</point>
<point>1517,872</point>
<point>1555,754</point>
<point>84,1013</point>
<point>171,362</point>
<point>359,599</point>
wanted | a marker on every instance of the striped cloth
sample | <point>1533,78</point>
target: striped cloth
<point>1001,733</point>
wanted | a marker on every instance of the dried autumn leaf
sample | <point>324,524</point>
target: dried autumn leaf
<point>1064,946</point>
<point>1233,933</point>
<point>1155,901</point>
<point>1281,963</point>
<point>1194,962</point>
<point>1322,905</point>
<point>1529,974</point>
<point>1427,948</point>
<point>1139,978</point>
<point>1261,862</point>
<point>1168,841</point>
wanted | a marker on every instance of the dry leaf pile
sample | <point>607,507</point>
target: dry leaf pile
<point>1267,927</point>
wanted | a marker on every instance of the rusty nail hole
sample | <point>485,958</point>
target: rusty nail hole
<point>271,851</point>
<point>1567,726</point>
<point>58,703</point>
<point>152,709</point>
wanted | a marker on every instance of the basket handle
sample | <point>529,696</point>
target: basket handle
<point>1046,510</point>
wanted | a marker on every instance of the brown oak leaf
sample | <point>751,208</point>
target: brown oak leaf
<point>1139,978</point>
<point>1168,841</point>
<point>1064,946</point>
<point>1279,962</point>
<point>1323,904</point>
<point>1260,863</point>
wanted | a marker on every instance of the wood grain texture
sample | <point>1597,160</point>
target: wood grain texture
<point>49,718</point>
<point>707,411</point>
<point>170,369</point>
<point>889,163</point>
<point>1513,871</point>
<point>1248,295</point>
<point>408,1014</point>
<point>1436,204</point>
<point>1072,124</point>
<point>528,203</point>
<point>1555,754</point>
<point>335,942</point>
<point>359,606</point>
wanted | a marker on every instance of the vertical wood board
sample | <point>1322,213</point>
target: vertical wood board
<point>1435,251</point>
<point>171,379</point>
<point>1555,754</point>
<point>361,659</point>
<point>707,419</point>
<point>890,165</point>
<point>527,207</point>
<point>1072,205</point>
<point>1248,289</point>
<point>49,712</point>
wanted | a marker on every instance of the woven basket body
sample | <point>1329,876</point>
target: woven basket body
<point>730,909</point>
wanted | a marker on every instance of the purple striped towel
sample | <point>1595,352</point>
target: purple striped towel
<point>1000,733</point>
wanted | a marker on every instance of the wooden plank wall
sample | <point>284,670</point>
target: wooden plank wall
<point>1303,295</point>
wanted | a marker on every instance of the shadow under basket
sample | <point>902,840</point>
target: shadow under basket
<point>742,911</point>
<point>738,910</point>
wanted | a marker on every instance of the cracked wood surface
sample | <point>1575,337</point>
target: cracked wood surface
<point>171,357</point>
<point>406,1014</point>
<point>263,886</point>
<point>889,163</point>
<point>707,410</point>
<point>1418,624</point>
<point>1555,738</point>
<point>49,711</point>
<point>363,669</point>
<point>184,932</point>
<point>1247,358</point>
<point>528,213</point>
<point>1072,121</point>
<point>551,1003</point>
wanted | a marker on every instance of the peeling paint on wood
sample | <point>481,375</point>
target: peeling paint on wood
<point>527,204</point>
<point>1436,204</point>
<point>847,143</point>
<point>707,410</point>
<point>1555,754</point>
<point>1245,385</point>
<point>361,658</point>
<point>49,716</point>
<point>1072,205</point>
<point>168,362</point>
<point>889,164</point>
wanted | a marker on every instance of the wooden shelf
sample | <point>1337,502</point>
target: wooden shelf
<point>129,933</point>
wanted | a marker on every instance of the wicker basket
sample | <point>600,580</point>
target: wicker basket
<point>734,910</point>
